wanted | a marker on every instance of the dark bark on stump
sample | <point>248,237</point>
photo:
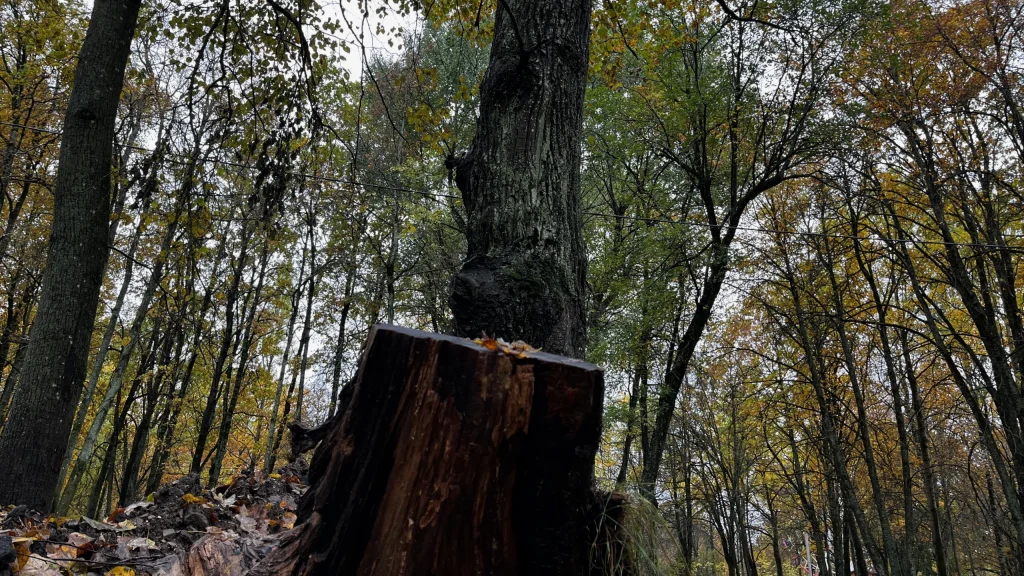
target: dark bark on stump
<point>451,459</point>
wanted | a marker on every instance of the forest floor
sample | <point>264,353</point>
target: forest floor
<point>180,530</point>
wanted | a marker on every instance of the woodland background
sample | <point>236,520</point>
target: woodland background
<point>803,224</point>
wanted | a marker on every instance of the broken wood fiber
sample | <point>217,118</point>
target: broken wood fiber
<point>451,459</point>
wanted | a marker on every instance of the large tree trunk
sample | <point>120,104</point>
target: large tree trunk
<point>108,337</point>
<point>36,433</point>
<point>454,460</point>
<point>457,459</point>
<point>145,199</point>
<point>524,273</point>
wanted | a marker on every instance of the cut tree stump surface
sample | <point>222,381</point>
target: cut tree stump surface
<point>451,459</point>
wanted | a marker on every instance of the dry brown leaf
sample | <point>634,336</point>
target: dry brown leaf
<point>35,565</point>
<point>288,520</point>
<point>61,551</point>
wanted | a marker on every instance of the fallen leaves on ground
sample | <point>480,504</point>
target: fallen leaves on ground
<point>180,530</point>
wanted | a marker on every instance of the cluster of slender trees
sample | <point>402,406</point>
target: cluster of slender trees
<point>789,232</point>
<point>245,263</point>
<point>853,403</point>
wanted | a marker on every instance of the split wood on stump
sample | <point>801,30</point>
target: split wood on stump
<point>452,459</point>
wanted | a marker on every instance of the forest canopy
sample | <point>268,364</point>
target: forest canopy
<point>799,228</point>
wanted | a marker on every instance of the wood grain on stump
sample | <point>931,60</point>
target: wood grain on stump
<point>451,459</point>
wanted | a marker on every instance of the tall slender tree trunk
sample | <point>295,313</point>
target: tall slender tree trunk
<point>106,471</point>
<point>838,531</point>
<point>206,423</point>
<point>117,376</point>
<point>10,327</point>
<point>634,396</point>
<point>235,390</point>
<point>524,273</point>
<point>926,459</point>
<point>975,297</point>
<point>93,504</point>
<point>272,458</point>
<point>986,429</point>
<point>12,146</point>
<point>12,217</point>
<point>889,552</point>
<point>165,433</point>
<point>391,265</point>
<point>689,540</point>
<point>773,532</point>
<point>836,455</point>
<point>307,325</point>
<point>747,546</point>
<point>881,313</point>
<point>11,382</point>
<point>675,376</point>
<point>272,442</point>
<point>163,421</point>
<point>287,409</point>
<point>814,519</point>
<point>339,346</point>
<point>36,433</point>
<point>140,442</point>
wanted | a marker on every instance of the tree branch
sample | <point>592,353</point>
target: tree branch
<point>732,14</point>
<point>502,4</point>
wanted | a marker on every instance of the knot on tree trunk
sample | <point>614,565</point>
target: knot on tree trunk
<point>523,298</point>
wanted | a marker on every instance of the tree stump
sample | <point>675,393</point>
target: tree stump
<point>451,459</point>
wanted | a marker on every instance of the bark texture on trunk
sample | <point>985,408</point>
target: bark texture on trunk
<point>36,434</point>
<point>452,459</point>
<point>525,270</point>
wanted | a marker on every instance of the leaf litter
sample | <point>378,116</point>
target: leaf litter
<point>180,530</point>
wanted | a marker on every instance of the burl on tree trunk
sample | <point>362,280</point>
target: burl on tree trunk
<point>452,459</point>
<point>524,276</point>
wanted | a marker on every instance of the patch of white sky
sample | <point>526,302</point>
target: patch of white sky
<point>379,31</point>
